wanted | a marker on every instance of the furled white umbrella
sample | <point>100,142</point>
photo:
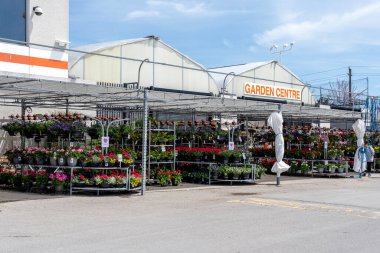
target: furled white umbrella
<point>360,160</point>
<point>275,121</point>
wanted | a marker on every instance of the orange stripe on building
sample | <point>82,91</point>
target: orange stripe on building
<point>34,61</point>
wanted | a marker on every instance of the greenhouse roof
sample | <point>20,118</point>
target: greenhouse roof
<point>84,96</point>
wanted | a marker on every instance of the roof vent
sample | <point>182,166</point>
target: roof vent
<point>152,37</point>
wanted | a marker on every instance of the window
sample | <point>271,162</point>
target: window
<point>12,19</point>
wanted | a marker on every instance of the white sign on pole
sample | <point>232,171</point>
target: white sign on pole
<point>105,142</point>
<point>231,145</point>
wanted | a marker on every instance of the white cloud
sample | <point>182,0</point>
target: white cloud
<point>192,8</point>
<point>142,14</point>
<point>160,8</point>
<point>334,32</point>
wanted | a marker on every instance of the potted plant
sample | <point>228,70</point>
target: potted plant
<point>14,155</point>
<point>332,167</point>
<point>223,172</point>
<point>332,153</point>
<point>58,179</point>
<point>6,177</point>
<point>163,177</point>
<point>61,157</point>
<point>176,177</point>
<point>245,173</point>
<point>78,180</point>
<point>155,155</point>
<point>260,171</point>
<point>40,156</point>
<point>94,131</point>
<point>197,155</point>
<point>96,160</point>
<point>77,130</point>
<point>27,180</point>
<point>109,159</point>
<point>305,167</point>
<point>344,166</point>
<point>42,179</point>
<point>225,155</point>
<point>121,181</point>
<point>13,128</point>
<point>17,181</point>
<point>320,167</point>
<point>235,156</point>
<point>135,179</point>
<point>59,129</point>
<point>293,167</point>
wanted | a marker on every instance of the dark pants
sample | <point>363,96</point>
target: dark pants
<point>369,166</point>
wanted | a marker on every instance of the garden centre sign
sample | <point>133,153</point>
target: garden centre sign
<point>271,91</point>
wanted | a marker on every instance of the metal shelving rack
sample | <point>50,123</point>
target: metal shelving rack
<point>98,189</point>
<point>150,145</point>
<point>211,165</point>
<point>72,168</point>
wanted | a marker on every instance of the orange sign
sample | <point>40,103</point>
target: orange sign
<point>271,91</point>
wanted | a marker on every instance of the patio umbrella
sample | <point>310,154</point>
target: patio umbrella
<point>275,121</point>
<point>360,160</point>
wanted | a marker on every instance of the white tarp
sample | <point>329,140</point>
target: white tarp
<point>275,121</point>
<point>359,128</point>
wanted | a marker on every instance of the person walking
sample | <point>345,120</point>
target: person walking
<point>370,156</point>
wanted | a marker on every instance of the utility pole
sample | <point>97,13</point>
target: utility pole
<point>349,85</point>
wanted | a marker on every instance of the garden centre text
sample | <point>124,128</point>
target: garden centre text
<point>277,92</point>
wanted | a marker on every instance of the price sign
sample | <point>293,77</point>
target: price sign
<point>105,142</point>
<point>231,145</point>
<point>163,149</point>
<point>119,158</point>
<point>244,156</point>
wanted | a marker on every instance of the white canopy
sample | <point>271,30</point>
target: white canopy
<point>275,121</point>
<point>359,162</point>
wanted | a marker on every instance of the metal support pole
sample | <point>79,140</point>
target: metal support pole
<point>67,106</point>
<point>23,107</point>
<point>145,130</point>
<point>138,75</point>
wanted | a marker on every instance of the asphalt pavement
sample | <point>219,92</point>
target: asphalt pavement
<point>304,215</point>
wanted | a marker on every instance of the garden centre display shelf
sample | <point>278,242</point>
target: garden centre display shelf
<point>72,188</point>
<point>313,172</point>
<point>212,165</point>
<point>150,146</point>
<point>98,189</point>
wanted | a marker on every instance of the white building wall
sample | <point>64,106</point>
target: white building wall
<point>113,70</point>
<point>273,75</point>
<point>52,25</point>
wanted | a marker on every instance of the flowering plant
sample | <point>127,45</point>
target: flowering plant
<point>135,179</point>
<point>78,179</point>
<point>164,177</point>
<point>176,177</point>
<point>104,179</point>
<point>58,178</point>
<point>120,179</point>
<point>75,153</point>
<point>42,178</point>
<point>59,128</point>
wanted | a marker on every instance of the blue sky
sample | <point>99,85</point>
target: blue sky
<point>329,35</point>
